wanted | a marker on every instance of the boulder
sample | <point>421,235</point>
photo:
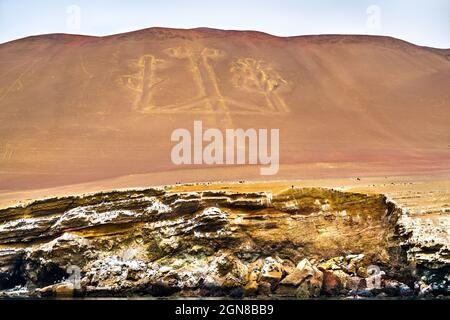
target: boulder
<point>272,272</point>
<point>303,282</point>
<point>332,284</point>
<point>63,289</point>
<point>333,264</point>
<point>354,262</point>
<point>227,272</point>
<point>251,288</point>
<point>395,288</point>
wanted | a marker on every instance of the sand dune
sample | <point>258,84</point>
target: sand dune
<point>75,109</point>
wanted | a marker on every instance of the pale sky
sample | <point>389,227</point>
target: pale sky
<point>423,22</point>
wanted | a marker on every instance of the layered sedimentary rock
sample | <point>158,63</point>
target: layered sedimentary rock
<point>301,243</point>
<point>427,242</point>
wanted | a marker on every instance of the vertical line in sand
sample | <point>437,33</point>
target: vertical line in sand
<point>197,75</point>
<point>218,96</point>
<point>147,74</point>
<point>19,79</point>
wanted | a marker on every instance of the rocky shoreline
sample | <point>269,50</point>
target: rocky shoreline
<point>302,242</point>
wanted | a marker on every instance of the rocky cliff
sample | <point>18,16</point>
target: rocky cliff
<point>302,242</point>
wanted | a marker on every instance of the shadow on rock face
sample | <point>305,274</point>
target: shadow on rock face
<point>47,274</point>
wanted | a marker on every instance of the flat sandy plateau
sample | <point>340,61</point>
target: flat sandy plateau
<point>419,193</point>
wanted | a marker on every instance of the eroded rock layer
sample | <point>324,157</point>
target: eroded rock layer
<point>302,242</point>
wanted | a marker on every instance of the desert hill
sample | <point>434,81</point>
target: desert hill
<point>78,108</point>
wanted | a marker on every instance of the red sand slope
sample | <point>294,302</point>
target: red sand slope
<point>75,109</point>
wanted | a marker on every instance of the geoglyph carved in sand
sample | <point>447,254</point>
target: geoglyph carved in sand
<point>249,75</point>
<point>144,80</point>
<point>257,76</point>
